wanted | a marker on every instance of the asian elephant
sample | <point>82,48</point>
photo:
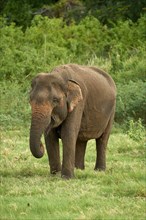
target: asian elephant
<point>75,103</point>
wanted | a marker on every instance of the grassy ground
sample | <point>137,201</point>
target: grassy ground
<point>28,191</point>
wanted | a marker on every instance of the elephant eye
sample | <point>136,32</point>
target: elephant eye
<point>56,100</point>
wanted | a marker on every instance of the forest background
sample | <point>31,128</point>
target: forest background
<point>39,35</point>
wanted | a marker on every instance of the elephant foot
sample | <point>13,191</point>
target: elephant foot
<point>54,172</point>
<point>100,168</point>
<point>66,177</point>
<point>67,174</point>
<point>55,169</point>
<point>80,166</point>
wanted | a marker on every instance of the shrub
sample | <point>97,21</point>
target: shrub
<point>131,101</point>
<point>14,103</point>
<point>136,130</point>
<point>133,68</point>
<point>49,42</point>
<point>120,50</point>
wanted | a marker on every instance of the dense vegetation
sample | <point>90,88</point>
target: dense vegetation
<point>119,49</point>
<point>22,12</point>
<point>37,35</point>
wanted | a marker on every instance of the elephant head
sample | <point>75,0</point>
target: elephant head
<point>51,99</point>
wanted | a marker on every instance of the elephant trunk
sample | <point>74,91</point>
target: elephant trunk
<point>36,131</point>
<point>36,146</point>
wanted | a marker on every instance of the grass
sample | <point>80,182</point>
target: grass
<point>28,191</point>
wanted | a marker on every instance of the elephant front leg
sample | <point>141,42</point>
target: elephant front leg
<point>69,134</point>
<point>69,137</point>
<point>80,154</point>
<point>68,157</point>
<point>52,146</point>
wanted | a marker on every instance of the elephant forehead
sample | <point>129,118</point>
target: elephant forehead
<point>42,93</point>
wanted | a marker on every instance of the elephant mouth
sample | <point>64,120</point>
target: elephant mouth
<point>55,122</point>
<point>50,126</point>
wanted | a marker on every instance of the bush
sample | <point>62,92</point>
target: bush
<point>49,42</point>
<point>131,101</point>
<point>15,107</point>
<point>119,50</point>
<point>127,50</point>
<point>136,130</point>
<point>133,68</point>
<point>36,50</point>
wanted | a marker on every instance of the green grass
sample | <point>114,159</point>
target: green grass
<point>28,191</point>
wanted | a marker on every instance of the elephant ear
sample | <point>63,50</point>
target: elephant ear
<point>74,95</point>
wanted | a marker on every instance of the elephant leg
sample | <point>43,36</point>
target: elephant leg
<point>80,154</point>
<point>100,153</point>
<point>101,144</point>
<point>52,146</point>
<point>69,134</point>
<point>68,162</point>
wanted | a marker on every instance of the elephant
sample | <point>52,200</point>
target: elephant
<point>74,103</point>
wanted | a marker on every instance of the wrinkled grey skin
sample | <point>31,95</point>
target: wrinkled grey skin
<point>75,103</point>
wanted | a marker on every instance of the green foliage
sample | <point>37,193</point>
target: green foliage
<point>25,54</point>
<point>111,10</point>
<point>70,10</point>
<point>131,69</point>
<point>22,12</point>
<point>84,40</point>
<point>136,130</point>
<point>127,43</point>
<point>14,101</point>
<point>11,50</point>
<point>49,42</point>
<point>131,101</point>
<point>119,50</point>
<point>18,12</point>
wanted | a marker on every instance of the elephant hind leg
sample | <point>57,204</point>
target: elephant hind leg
<point>101,144</point>
<point>80,154</point>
